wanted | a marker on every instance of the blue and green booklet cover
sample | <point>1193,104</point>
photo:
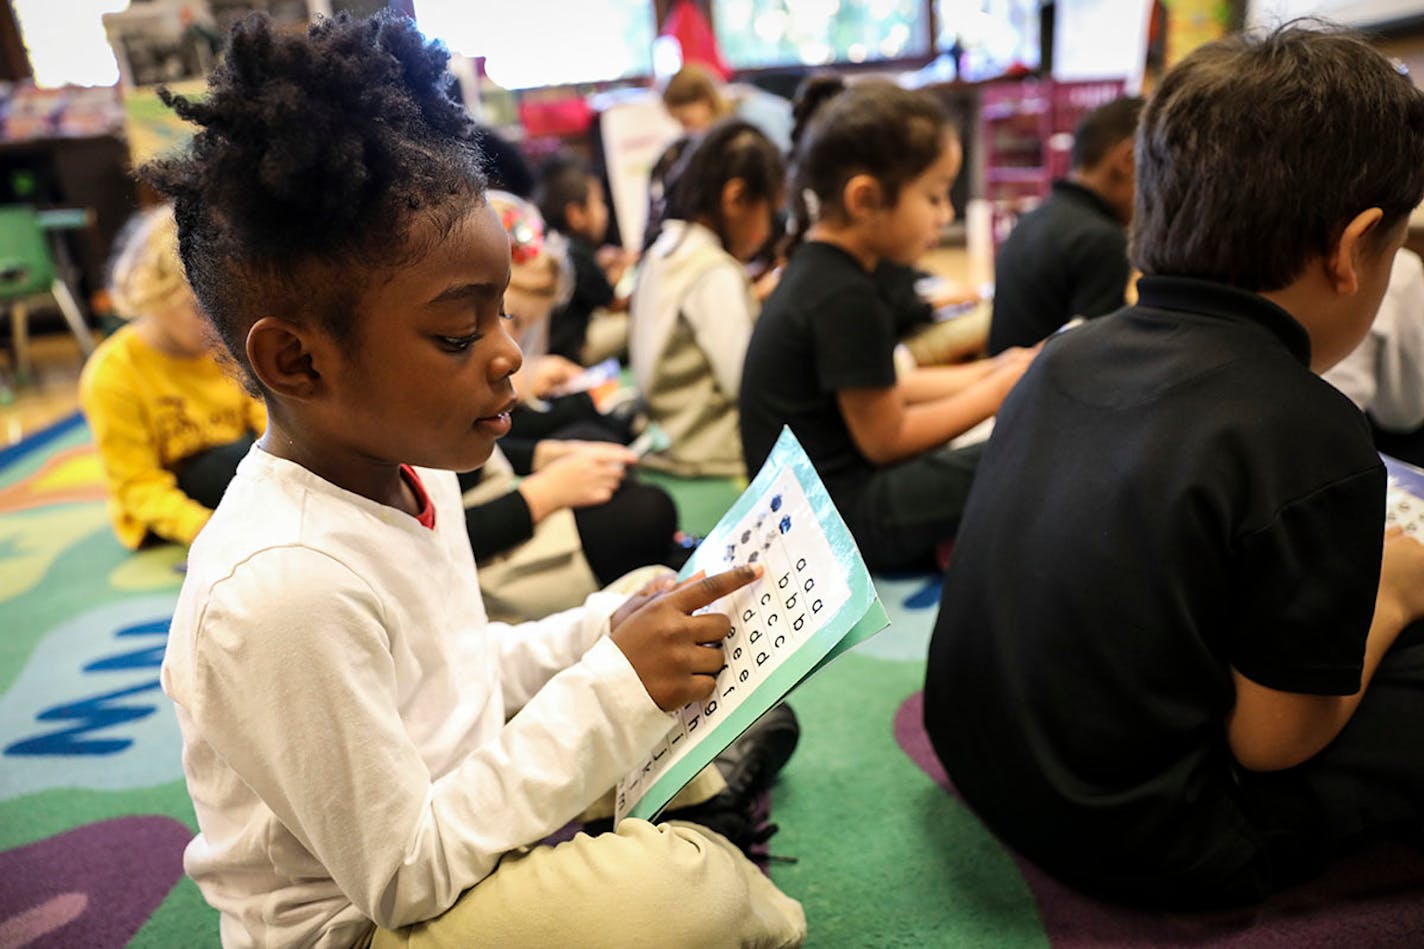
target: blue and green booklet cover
<point>814,602</point>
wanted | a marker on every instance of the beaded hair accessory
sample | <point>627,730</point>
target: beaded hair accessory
<point>524,226</point>
<point>531,246</point>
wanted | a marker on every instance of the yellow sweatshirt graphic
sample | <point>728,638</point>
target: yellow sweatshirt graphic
<point>149,411</point>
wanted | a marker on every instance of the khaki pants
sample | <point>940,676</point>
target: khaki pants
<point>669,886</point>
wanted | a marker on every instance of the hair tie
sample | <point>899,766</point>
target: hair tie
<point>812,203</point>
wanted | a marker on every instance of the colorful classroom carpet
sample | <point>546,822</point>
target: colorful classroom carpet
<point>94,814</point>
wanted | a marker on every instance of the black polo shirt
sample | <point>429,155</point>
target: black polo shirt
<point>825,327</point>
<point>1065,258</point>
<point>1169,492</point>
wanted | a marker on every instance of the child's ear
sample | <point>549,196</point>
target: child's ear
<point>1123,159</point>
<point>734,193</point>
<point>281,355</point>
<point>1342,264</point>
<point>576,216</point>
<point>861,196</point>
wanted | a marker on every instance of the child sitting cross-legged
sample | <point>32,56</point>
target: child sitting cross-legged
<point>874,171</point>
<point>169,420</point>
<point>693,307</point>
<point>371,761</point>
<point>1171,664</point>
<point>570,197</point>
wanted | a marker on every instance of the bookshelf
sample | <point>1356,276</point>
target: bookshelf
<point>1026,137</point>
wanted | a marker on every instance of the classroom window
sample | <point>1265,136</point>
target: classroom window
<point>66,41</point>
<point>756,34</point>
<point>546,42</point>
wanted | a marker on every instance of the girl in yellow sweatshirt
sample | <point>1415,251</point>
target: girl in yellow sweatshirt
<point>170,422</point>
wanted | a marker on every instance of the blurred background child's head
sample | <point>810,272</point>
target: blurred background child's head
<point>148,286</point>
<point>570,197</point>
<point>693,96</point>
<point>732,182</point>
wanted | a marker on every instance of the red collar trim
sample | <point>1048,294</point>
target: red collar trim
<point>426,513</point>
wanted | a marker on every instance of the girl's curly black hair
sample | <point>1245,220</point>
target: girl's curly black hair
<point>315,156</point>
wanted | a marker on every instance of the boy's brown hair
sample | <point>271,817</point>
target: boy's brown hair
<point>1257,150</point>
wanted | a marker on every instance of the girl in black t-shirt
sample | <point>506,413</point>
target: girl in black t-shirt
<point>874,170</point>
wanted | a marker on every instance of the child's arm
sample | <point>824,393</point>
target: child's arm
<point>292,682</point>
<point>887,428</point>
<point>930,383</point>
<point>533,654</point>
<point>586,476</point>
<point>1270,730</point>
<point>137,481</point>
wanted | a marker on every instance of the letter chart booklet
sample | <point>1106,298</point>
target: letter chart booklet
<point>1404,498</point>
<point>814,602</point>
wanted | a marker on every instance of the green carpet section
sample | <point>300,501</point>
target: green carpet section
<point>884,857</point>
<point>701,502</point>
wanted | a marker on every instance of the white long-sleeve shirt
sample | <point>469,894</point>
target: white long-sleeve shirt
<point>1385,374</point>
<point>343,703</point>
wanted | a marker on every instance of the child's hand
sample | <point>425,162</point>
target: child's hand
<point>766,283</point>
<point>551,372</point>
<point>1402,573</point>
<point>615,262</point>
<point>549,450</point>
<point>647,594</point>
<point>664,643</point>
<point>583,477</point>
<point>1009,366</point>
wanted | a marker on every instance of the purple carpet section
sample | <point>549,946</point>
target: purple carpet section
<point>93,886</point>
<point>1374,899</point>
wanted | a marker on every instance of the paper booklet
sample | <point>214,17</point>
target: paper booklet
<point>1404,498</point>
<point>814,602</point>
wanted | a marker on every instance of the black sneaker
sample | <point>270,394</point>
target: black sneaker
<point>752,761</point>
<point>749,765</point>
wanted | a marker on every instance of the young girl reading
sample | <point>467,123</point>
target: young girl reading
<point>371,761</point>
<point>170,423</point>
<point>874,169</point>
<point>693,307</point>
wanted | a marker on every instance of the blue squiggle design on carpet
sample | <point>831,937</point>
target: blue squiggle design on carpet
<point>87,710</point>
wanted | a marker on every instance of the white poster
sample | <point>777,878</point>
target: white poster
<point>1101,39</point>
<point>635,129</point>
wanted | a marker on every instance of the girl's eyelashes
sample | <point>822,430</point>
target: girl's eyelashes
<point>458,344</point>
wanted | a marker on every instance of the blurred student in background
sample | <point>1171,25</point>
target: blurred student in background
<point>170,422</point>
<point>694,307</point>
<point>1068,257</point>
